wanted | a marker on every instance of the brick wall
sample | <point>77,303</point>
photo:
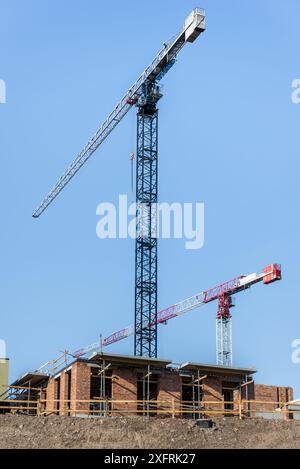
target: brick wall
<point>236,399</point>
<point>169,389</point>
<point>51,394</point>
<point>43,396</point>
<point>269,398</point>
<point>124,386</point>
<point>212,391</point>
<point>64,389</point>
<point>248,391</point>
<point>80,387</point>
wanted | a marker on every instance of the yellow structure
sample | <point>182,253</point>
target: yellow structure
<point>4,362</point>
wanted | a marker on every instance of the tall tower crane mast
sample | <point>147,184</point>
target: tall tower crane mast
<point>144,93</point>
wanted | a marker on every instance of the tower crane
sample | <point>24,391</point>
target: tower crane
<point>144,94</point>
<point>221,293</point>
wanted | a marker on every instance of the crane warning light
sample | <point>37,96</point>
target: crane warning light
<point>273,273</point>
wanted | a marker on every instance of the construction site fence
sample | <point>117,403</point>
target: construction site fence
<point>172,408</point>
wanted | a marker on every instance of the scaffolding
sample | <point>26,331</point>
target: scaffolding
<point>53,366</point>
<point>22,398</point>
<point>146,403</point>
<point>102,405</point>
<point>195,391</point>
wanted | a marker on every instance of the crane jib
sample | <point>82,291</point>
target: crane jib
<point>193,27</point>
<point>269,274</point>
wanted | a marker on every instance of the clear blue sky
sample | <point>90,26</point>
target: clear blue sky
<point>229,136</point>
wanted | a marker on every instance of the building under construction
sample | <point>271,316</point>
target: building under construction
<point>106,385</point>
<point>102,384</point>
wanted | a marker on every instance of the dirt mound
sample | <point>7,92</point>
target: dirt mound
<point>20,431</point>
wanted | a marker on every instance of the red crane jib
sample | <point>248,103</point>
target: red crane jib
<point>227,287</point>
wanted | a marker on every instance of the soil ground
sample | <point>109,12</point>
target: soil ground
<point>22,431</point>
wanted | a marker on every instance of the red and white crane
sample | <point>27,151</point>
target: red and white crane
<point>222,293</point>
